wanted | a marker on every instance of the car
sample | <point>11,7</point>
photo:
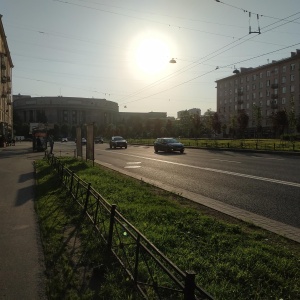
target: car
<point>168,145</point>
<point>64,139</point>
<point>83,141</point>
<point>117,142</point>
<point>98,140</point>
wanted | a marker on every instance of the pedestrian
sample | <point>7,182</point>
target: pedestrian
<point>51,143</point>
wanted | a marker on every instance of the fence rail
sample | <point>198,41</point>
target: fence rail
<point>155,276</point>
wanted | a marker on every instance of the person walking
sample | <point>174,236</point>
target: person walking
<point>51,143</point>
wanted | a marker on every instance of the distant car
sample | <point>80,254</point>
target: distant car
<point>64,140</point>
<point>83,141</point>
<point>117,142</point>
<point>168,145</point>
<point>98,140</point>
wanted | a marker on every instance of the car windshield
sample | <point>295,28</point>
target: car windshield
<point>171,141</point>
<point>119,138</point>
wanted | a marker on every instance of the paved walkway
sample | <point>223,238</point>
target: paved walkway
<point>21,255</point>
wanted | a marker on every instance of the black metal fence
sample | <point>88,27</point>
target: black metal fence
<point>154,275</point>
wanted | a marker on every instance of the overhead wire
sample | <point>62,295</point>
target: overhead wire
<point>207,57</point>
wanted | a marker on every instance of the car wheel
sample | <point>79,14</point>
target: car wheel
<point>155,150</point>
<point>110,146</point>
<point>115,146</point>
<point>125,147</point>
<point>181,151</point>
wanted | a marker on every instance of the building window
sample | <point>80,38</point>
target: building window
<point>236,81</point>
<point>268,82</point>
<point>247,105</point>
<point>268,102</point>
<point>261,75</point>
<point>283,100</point>
<point>235,99</point>
<point>242,80</point>
<point>268,73</point>
<point>254,77</point>
<point>292,88</point>
<point>283,79</point>
<point>247,87</point>
<point>261,85</point>
<point>247,78</point>
<point>276,70</point>
<point>292,77</point>
<point>276,80</point>
<point>284,90</point>
<point>284,69</point>
<point>253,86</point>
<point>235,107</point>
<point>248,97</point>
<point>292,67</point>
<point>260,94</point>
<point>268,93</point>
<point>254,96</point>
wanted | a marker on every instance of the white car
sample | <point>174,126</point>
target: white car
<point>64,139</point>
<point>83,141</point>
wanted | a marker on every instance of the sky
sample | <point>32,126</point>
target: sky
<point>120,50</point>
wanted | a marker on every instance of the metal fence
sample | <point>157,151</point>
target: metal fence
<point>154,275</point>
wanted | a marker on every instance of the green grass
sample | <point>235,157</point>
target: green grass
<point>232,259</point>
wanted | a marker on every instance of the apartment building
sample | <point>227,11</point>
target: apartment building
<point>6,112</point>
<point>267,88</point>
<point>192,111</point>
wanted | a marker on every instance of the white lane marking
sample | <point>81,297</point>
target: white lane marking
<point>295,184</point>
<point>224,160</point>
<point>274,158</point>
<point>131,167</point>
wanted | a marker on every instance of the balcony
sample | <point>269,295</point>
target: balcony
<point>274,86</point>
<point>3,66</point>
<point>274,96</point>
<point>3,79</point>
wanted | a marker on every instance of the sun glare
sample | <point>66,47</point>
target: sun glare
<point>152,55</point>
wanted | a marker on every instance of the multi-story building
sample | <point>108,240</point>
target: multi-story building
<point>65,110</point>
<point>6,113</point>
<point>191,112</point>
<point>267,89</point>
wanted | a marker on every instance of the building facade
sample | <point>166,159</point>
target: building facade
<point>65,110</point>
<point>191,112</point>
<point>267,89</point>
<point>6,112</point>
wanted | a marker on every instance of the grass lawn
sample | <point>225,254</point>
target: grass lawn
<point>232,259</point>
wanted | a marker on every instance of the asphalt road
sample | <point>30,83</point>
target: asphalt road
<point>264,184</point>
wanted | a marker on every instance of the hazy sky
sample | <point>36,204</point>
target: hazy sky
<point>120,49</point>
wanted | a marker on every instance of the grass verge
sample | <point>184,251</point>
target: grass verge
<point>232,259</point>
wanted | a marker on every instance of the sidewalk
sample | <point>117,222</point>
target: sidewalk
<point>21,255</point>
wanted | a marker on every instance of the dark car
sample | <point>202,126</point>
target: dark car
<point>168,145</point>
<point>118,142</point>
<point>98,140</point>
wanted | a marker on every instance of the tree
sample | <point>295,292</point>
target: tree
<point>243,121</point>
<point>257,117</point>
<point>216,123</point>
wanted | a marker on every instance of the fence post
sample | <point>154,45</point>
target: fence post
<point>189,287</point>
<point>72,179</point>
<point>87,197</point>
<point>111,225</point>
<point>137,254</point>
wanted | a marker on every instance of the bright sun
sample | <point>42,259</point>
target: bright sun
<point>152,55</point>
